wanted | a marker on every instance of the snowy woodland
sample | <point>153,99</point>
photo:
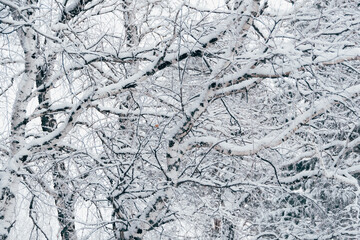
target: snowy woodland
<point>179,119</point>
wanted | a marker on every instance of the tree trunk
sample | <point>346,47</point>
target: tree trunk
<point>9,175</point>
<point>64,201</point>
<point>121,231</point>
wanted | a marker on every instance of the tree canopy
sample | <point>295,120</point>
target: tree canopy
<point>159,119</point>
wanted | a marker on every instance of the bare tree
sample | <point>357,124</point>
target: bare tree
<point>141,118</point>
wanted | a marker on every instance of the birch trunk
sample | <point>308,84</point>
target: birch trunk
<point>10,177</point>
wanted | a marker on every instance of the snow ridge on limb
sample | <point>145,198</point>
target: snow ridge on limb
<point>167,60</point>
<point>136,107</point>
<point>193,114</point>
<point>275,138</point>
<point>245,10</point>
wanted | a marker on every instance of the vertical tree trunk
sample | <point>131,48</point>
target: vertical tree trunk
<point>121,231</point>
<point>65,203</point>
<point>9,175</point>
<point>9,183</point>
<point>64,199</point>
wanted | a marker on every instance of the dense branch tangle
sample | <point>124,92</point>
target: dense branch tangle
<point>118,109</point>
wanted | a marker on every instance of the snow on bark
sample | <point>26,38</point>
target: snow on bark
<point>139,110</point>
<point>277,137</point>
<point>10,178</point>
